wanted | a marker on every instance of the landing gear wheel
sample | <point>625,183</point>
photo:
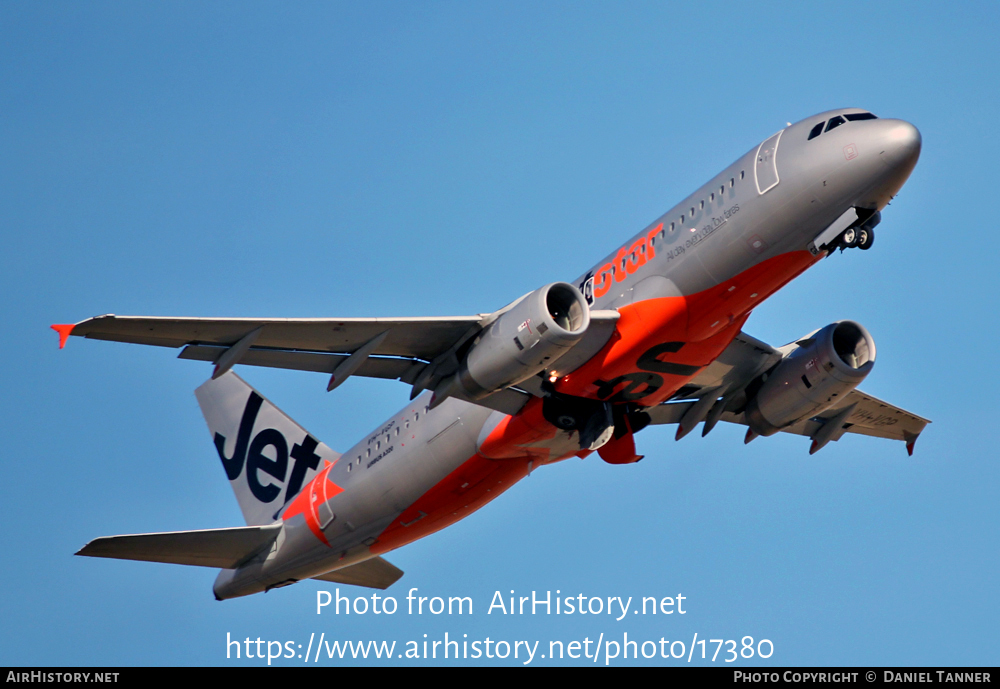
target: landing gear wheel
<point>866,238</point>
<point>850,238</point>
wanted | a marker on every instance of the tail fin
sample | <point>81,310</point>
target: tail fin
<point>267,456</point>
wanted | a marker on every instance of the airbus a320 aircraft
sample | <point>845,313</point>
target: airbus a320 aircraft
<point>650,335</point>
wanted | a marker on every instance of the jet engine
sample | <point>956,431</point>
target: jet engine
<point>814,374</point>
<point>523,341</point>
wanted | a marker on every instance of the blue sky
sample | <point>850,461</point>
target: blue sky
<point>405,159</point>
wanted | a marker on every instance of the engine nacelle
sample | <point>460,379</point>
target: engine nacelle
<point>524,340</point>
<point>817,372</point>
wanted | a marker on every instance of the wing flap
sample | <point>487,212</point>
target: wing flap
<point>375,573</point>
<point>373,367</point>
<point>871,417</point>
<point>221,548</point>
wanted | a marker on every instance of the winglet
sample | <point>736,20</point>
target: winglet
<point>64,331</point>
<point>911,440</point>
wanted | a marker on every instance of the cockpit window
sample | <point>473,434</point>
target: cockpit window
<point>839,120</point>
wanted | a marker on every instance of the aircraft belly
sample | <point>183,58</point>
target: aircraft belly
<point>471,485</point>
<point>456,481</point>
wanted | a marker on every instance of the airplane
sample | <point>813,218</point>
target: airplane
<point>651,334</point>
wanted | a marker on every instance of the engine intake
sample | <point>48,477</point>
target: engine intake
<point>524,340</point>
<point>814,374</point>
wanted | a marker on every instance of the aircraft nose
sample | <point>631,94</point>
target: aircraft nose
<point>901,142</point>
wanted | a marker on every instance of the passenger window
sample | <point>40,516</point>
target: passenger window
<point>348,467</point>
<point>671,227</point>
<point>835,122</point>
<point>711,197</point>
<point>860,116</point>
<point>682,220</point>
<point>741,174</point>
<point>816,131</point>
<point>703,204</point>
<point>732,182</point>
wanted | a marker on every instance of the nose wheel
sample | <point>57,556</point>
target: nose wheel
<point>866,237</point>
<point>850,238</point>
<point>860,237</point>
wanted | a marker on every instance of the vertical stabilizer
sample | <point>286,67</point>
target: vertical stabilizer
<point>267,456</point>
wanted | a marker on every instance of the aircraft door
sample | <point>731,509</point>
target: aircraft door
<point>324,514</point>
<point>766,165</point>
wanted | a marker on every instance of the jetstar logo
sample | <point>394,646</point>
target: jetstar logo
<point>251,453</point>
<point>627,261</point>
<point>314,505</point>
<point>647,381</point>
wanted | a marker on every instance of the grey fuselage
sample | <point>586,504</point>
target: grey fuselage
<point>771,202</point>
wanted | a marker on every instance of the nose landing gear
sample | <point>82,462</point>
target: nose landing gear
<point>866,237</point>
<point>861,237</point>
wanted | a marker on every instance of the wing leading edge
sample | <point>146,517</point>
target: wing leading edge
<point>422,338</point>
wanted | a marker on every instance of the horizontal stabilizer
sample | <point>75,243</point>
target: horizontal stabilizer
<point>222,548</point>
<point>375,573</point>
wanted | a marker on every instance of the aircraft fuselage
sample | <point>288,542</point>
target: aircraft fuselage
<point>683,286</point>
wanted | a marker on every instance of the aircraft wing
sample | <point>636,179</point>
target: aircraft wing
<point>422,338</point>
<point>393,348</point>
<point>747,357</point>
